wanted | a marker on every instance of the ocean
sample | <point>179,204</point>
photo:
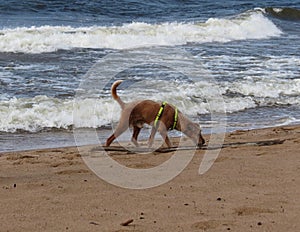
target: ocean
<point>237,61</point>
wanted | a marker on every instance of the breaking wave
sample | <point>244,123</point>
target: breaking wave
<point>250,25</point>
<point>40,112</point>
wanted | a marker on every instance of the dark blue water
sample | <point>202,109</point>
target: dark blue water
<point>250,49</point>
<point>79,13</point>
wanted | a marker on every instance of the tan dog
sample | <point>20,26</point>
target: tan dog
<point>137,113</point>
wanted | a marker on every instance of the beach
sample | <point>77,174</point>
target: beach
<point>228,66</point>
<point>248,188</point>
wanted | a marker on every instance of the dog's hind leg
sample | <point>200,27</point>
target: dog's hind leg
<point>136,131</point>
<point>120,129</point>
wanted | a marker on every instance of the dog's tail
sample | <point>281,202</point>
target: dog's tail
<point>114,93</point>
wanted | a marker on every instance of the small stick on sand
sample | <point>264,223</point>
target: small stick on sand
<point>127,222</point>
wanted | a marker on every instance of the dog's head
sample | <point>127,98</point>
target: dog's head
<point>193,131</point>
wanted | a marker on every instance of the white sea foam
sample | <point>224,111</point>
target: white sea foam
<point>34,114</point>
<point>253,25</point>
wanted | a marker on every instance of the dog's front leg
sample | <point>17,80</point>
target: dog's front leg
<point>151,138</point>
<point>164,135</point>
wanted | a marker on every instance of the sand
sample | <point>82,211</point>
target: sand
<point>248,188</point>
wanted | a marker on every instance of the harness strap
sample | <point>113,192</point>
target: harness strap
<point>175,118</point>
<point>160,112</point>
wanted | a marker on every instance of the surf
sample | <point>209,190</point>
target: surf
<point>40,112</point>
<point>42,39</point>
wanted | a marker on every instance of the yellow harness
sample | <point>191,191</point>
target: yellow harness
<point>160,112</point>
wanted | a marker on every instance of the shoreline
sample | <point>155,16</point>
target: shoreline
<point>248,188</point>
<point>67,137</point>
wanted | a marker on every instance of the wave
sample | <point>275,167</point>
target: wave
<point>35,114</point>
<point>284,13</point>
<point>253,25</point>
<point>40,112</point>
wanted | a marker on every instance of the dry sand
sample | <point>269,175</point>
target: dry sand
<point>249,188</point>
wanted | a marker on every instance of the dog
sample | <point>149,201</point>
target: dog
<point>161,116</point>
